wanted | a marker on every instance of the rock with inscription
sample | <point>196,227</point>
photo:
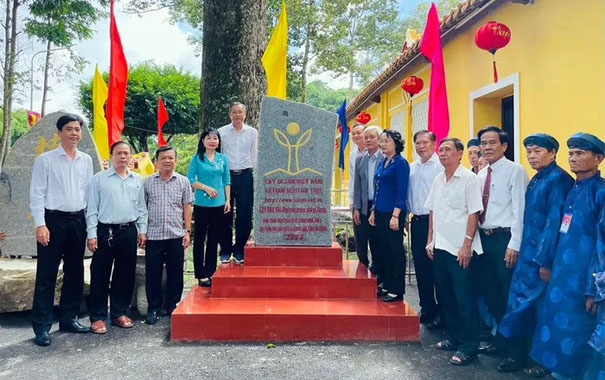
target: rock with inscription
<point>293,179</point>
<point>15,217</point>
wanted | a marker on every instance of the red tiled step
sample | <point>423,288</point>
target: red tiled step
<point>202,317</point>
<point>353,280</point>
<point>321,257</point>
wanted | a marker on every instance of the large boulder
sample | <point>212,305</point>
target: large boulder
<point>17,283</point>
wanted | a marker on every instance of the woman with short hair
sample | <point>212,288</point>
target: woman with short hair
<point>389,211</point>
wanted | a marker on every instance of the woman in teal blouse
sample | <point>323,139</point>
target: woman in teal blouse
<point>209,175</point>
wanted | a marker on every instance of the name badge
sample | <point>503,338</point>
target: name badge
<point>565,223</point>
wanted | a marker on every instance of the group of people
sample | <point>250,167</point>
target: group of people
<point>531,252</point>
<point>115,212</point>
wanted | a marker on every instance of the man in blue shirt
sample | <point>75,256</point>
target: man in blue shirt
<point>567,318</point>
<point>116,210</point>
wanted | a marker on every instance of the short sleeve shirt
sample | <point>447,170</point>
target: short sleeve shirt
<point>165,200</point>
<point>451,203</point>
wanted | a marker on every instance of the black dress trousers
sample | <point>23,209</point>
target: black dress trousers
<point>423,267</point>
<point>391,245</point>
<point>242,200</point>
<point>67,243</point>
<point>119,252</point>
<point>158,253</point>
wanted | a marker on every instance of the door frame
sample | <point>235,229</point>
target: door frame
<point>513,80</point>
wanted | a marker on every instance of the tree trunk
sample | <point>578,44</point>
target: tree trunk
<point>46,71</point>
<point>305,63</point>
<point>235,37</point>
<point>351,83</point>
<point>10,34</point>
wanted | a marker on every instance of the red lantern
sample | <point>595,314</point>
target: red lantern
<point>340,129</point>
<point>363,117</point>
<point>412,85</point>
<point>491,37</point>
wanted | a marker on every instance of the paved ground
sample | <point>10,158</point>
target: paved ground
<point>146,352</point>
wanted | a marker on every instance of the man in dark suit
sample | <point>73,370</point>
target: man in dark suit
<point>363,194</point>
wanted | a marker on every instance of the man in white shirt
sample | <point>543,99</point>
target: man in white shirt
<point>422,173</point>
<point>239,143</point>
<point>455,203</point>
<point>503,184</point>
<point>60,181</point>
<point>358,139</point>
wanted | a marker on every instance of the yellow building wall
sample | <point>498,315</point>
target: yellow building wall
<point>557,49</point>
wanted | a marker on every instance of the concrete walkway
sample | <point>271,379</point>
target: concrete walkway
<point>145,352</point>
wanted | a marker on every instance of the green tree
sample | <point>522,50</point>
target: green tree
<point>59,24</point>
<point>19,125</point>
<point>324,97</point>
<point>146,82</point>
<point>417,18</point>
<point>356,38</point>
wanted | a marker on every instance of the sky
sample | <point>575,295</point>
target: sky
<point>147,37</point>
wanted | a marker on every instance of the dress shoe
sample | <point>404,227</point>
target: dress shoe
<point>372,269</point>
<point>206,282</point>
<point>488,349</point>
<point>74,327</point>
<point>510,365</point>
<point>436,324</point>
<point>390,297</point>
<point>42,339</point>
<point>152,317</point>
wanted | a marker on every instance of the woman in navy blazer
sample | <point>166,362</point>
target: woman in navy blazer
<point>388,213</point>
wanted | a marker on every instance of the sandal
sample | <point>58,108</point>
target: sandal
<point>536,372</point>
<point>98,327</point>
<point>445,345</point>
<point>463,359</point>
<point>122,322</point>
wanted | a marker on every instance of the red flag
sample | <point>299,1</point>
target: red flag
<point>430,47</point>
<point>32,118</point>
<point>118,78</point>
<point>162,118</point>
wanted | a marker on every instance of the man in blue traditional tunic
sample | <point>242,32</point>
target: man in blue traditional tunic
<point>597,340</point>
<point>567,318</point>
<point>544,201</point>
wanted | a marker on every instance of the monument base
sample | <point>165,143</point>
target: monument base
<point>292,294</point>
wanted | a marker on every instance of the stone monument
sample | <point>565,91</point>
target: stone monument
<point>293,178</point>
<point>15,218</point>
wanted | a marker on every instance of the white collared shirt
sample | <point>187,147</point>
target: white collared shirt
<point>452,202</point>
<point>506,202</point>
<point>421,181</point>
<point>353,154</point>
<point>239,147</point>
<point>59,183</point>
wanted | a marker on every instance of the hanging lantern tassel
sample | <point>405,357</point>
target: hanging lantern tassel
<point>495,69</point>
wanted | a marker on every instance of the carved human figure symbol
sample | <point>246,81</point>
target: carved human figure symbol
<point>282,139</point>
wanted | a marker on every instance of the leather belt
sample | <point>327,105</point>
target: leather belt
<point>119,226</point>
<point>494,231</point>
<point>67,214</point>
<point>418,218</point>
<point>240,172</point>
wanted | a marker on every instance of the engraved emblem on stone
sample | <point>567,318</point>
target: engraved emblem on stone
<point>293,129</point>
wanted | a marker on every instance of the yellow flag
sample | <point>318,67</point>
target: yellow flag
<point>144,166</point>
<point>274,58</point>
<point>99,96</point>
